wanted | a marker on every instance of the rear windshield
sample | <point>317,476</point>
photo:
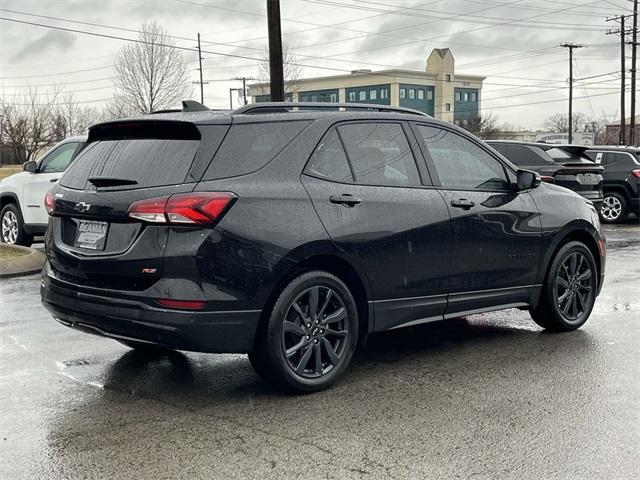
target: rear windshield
<point>250,146</point>
<point>151,162</point>
<point>522,155</point>
<point>561,155</point>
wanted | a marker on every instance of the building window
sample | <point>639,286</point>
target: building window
<point>384,93</point>
<point>373,94</point>
<point>429,94</point>
<point>403,93</point>
<point>352,96</point>
<point>448,77</point>
<point>466,84</point>
<point>474,97</point>
<point>362,95</point>
<point>458,96</point>
<point>420,94</point>
<point>333,98</point>
<point>466,96</point>
<point>412,93</point>
<point>447,107</point>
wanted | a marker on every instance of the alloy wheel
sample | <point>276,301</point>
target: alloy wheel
<point>574,287</point>
<point>611,208</point>
<point>315,332</point>
<point>9,227</point>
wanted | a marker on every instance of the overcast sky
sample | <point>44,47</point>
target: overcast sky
<point>515,44</point>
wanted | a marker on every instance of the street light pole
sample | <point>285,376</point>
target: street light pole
<point>276,74</point>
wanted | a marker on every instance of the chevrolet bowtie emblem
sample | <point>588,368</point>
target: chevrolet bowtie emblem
<point>82,207</point>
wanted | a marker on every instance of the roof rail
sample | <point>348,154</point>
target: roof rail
<point>285,107</point>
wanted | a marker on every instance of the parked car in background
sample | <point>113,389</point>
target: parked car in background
<point>564,165</point>
<point>22,211</point>
<point>292,235</point>
<point>621,181</point>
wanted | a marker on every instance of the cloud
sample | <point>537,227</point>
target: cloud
<point>53,40</point>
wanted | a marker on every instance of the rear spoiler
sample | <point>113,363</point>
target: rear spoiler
<point>152,128</point>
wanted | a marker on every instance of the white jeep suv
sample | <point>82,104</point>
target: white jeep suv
<point>22,212</point>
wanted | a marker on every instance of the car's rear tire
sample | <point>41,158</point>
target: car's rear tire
<point>569,291</point>
<point>614,208</point>
<point>12,227</point>
<point>310,336</point>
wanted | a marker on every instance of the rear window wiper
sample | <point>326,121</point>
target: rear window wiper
<point>110,181</point>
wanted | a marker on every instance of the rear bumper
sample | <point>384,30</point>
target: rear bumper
<point>128,319</point>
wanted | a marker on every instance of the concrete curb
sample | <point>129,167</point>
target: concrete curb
<point>29,263</point>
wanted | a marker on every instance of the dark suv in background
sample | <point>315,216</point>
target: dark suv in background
<point>291,233</point>
<point>565,165</point>
<point>621,181</point>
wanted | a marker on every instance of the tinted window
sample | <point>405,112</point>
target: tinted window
<point>522,155</point>
<point>329,160</point>
<point>59,159</point>
<point>379,154</point>
<point>460,163</point>
<point>250,146</point>
<point>614,158</point>
<point>150,162</point>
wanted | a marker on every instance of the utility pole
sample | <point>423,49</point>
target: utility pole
<point>634,48</point>
<point>200,62</point>
<point>571,47</point>
<point>276,70</point>
<point>244,87</point>
<point>623,74</point>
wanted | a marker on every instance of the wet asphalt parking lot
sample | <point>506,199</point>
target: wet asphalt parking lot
<point>483,397</point>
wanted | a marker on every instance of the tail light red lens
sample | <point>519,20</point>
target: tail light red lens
<point>49,203</point>
<point>201,208</point>
<point>635,173</point>
<point>548,179</point>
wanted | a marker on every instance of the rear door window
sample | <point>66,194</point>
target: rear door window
<point>151,162</point>
<point>379,154</point>
<point>250,146</point>
<point>58,160</point>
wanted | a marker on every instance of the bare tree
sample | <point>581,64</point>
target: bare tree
<point>150,75</point>
<point>27,122</point>
<point>292,70</point>
<point>597,126</point>
<point>483,126</point>
<point>70,118</point>
<point>559,122</point>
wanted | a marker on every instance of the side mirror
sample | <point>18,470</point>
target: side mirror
<point>30,166</point>
<point>528,179</point>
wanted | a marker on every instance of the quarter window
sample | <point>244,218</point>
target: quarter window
<point>379,154</point>
<point>329,160</point>
<point>460,163</point>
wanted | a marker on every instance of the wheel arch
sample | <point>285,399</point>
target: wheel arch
<point>582,232</point>
<point>618,188</point>
<point>335,263</point>
<point>7,198</point>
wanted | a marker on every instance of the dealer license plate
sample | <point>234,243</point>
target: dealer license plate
<point>91,235</point>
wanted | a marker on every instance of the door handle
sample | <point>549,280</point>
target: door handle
<point>345,199</point>
<point>54,180</point>
<point>462,203</point>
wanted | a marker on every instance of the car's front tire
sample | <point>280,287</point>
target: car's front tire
<point>12,227</point>
<point>310,336</point>
<point>614,208</point>
<point>569,291</point>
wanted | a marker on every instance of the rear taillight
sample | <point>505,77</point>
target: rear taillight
<point>49,203</point>
<point>184,208</point>
<point>181,304</point>
<point>547,178</point>
<point>635,173</point>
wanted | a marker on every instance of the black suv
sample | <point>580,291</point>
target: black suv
<point>621,181</point>
<point>290,233</point>
<point>565,165</point>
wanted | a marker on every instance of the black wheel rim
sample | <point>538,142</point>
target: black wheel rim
<point>574,287</point>
<point>315,332</point>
